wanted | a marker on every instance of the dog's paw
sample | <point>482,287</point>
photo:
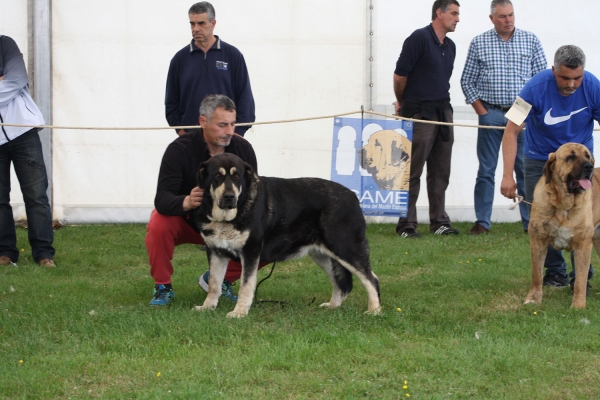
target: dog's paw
<point>329,305</point>
<point>531,301</point>
<point>375,311</point>
<point>235,314</point>
<point>204,308</point>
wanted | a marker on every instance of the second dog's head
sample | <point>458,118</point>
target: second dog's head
<point>225,179</point>
<point>571,165</point>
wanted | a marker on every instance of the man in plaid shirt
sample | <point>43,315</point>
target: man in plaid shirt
<point>499,63</point>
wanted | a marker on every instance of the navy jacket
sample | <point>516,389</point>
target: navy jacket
<point>194,75</point>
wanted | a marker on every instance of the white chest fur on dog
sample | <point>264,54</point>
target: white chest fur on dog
<point>562,236</point>
<point>225,236</point>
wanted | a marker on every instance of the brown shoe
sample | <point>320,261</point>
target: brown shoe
<point>48,263</point>
<point>4,260</point>
<point>478,229</point>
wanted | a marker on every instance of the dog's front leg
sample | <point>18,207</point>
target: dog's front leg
<point>538,255</point>
<point>218,267</point>
<point>247,288</point>
<point>582,267</point>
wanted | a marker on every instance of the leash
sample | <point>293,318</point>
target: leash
<point>519,199</point>
<point>281,303</point>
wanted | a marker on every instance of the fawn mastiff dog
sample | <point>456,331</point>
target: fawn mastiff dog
<point>565,214</point>
<point>251,218</point>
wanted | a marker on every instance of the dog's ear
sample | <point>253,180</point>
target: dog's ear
<point>549,166</point>
<point>248,174</point>
<point>202,177</point>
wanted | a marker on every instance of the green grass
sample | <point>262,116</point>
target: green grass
<point>453,326</point>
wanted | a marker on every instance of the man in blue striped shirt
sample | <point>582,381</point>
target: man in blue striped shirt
<point>499,63</point>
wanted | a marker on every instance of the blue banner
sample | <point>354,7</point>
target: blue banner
<point>372,158</point>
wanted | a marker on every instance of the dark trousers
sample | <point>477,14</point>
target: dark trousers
<point>25,153</point>
<point>428,147</point>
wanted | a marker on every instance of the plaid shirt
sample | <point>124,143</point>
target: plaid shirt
<point>496,71</point>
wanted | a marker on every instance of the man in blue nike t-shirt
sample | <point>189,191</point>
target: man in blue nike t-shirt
<point>565,101</point>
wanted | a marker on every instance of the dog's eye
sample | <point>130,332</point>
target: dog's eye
<point>235,176</point>
<point>571,158</point>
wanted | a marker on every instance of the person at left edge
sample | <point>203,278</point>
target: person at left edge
<point>206,66</point>
<point>22,147</point>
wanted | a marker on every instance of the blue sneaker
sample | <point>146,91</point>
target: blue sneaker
<point>226,290</point>
<point>162,296</point>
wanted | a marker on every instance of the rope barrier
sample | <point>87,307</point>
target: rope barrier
<point>283,121</point>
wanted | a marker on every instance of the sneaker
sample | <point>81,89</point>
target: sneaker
<point>4,260</point>
<point>226,290</point>
<point>555,280</point>
<point>478,229</point>
<point>47,262</point>
<point>409,233</point>
<point>587,289</point>
<point>162,296</point>
<point>446,230</point>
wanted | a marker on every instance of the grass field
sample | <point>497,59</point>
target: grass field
<point>453,326</point>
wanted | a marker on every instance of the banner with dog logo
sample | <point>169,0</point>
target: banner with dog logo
<point>372,158</point>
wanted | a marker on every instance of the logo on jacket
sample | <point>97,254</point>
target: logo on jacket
<point>222,65</point>
<point>550,120</point>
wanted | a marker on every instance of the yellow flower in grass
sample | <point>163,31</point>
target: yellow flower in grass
<point>20,361</point>
<point>407,394</point>
<point>399,309</point>
<point>22,250</point>
<point>535,313</point>
<point>158,374</point>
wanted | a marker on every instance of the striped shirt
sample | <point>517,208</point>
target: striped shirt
<point>496,70</point>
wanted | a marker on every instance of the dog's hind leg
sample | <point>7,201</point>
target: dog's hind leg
<point>538,251</point>
<point>370,282</point>
<point>247,288</point>
<point>340,277</point>
<point>218,267</point>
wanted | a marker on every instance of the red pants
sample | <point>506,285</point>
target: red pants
<point>165,232</point>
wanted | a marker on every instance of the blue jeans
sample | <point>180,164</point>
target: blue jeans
<point>488,148</point>
<point>25,152</point>
<point>555,262</point>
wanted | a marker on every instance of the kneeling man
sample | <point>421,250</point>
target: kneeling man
<point>178,194</point>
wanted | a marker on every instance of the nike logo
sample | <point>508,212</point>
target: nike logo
<point>550,120</point>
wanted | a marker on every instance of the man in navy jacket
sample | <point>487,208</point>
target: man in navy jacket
<point>206,66</point>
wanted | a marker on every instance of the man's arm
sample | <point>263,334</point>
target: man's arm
<point>399,88</point>
<point>15,75</point>
<point>469,79</point>
<point>244,100</point>
<point>508,187</point>
<point>172,96</point>
<point>538,61</point>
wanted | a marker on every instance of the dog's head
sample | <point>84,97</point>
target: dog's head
<point>383,157</point>
<point>225,179</point>
<point>571,165</point>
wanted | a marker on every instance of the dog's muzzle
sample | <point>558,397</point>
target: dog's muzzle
<point>228,201</point>
<point>583,182</point>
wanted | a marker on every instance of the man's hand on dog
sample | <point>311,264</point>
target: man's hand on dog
<point>193,200</point>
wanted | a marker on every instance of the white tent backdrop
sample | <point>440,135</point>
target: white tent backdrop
<point>310,58</point>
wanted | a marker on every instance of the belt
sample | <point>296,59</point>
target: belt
<point>497,107</point>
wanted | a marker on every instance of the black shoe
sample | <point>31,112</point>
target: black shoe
<point>446,230</point>
<point>555,280</point>
<point>409,233</point>
<point>587,289</point>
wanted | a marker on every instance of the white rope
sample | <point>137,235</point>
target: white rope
<point>283,121</point>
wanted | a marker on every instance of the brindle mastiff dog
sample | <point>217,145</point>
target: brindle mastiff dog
<point>566,215</point>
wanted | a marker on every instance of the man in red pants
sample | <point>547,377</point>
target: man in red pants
<point>178,194</point>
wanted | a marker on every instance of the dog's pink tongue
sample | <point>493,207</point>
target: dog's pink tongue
<point>585,183</point>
